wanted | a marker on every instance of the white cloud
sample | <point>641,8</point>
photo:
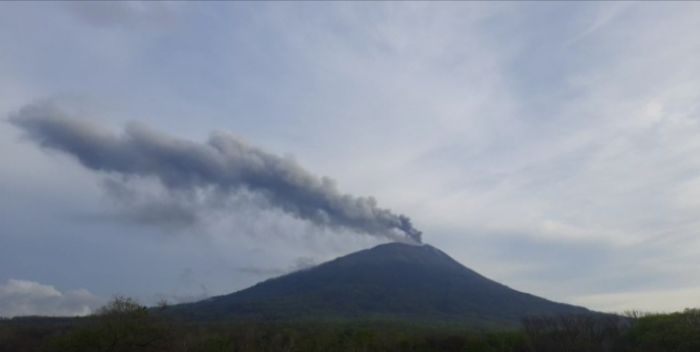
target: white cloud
<point>23,297</point>
<point>653,301</point>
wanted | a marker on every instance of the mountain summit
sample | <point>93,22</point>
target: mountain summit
<point>394,281</point>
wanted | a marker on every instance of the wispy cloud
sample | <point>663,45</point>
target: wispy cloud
<point>23,297</point>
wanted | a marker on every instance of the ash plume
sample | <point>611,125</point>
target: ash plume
<point>223,165</point>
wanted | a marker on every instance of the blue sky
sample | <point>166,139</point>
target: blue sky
<point>550,146</point>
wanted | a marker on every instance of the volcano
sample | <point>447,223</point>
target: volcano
<point>395,281</point>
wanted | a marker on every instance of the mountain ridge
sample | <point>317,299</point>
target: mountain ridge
<point>393,281</point>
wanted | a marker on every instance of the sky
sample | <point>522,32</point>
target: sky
<point>552,147</point>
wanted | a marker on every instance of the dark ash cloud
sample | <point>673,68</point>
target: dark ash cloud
<point>145,208</point>
<point>223,166</point>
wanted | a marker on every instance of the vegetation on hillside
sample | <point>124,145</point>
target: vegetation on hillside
<point>124,325</point>
<point>392,281</point>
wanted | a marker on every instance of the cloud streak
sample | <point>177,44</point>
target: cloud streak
<point>223,166</point>
<point>23,297</point>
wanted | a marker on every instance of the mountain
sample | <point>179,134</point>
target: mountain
<point>394,281</point>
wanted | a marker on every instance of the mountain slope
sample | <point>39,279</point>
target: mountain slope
<point>390,281</point>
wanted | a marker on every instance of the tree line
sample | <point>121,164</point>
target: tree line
<point>125,325</point>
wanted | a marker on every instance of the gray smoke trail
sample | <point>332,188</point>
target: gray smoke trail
<point>224,164</point>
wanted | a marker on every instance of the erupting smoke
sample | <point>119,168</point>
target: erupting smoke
<point>223,164</point>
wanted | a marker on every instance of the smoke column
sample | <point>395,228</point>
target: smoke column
<point>224,164</point>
